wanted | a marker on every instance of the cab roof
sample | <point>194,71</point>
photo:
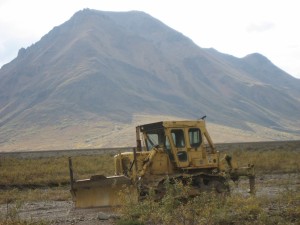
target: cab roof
<point>171,124</point>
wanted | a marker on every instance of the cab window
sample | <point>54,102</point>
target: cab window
<point>178,138</point>
<point>195,137</point>
<point>155,138</point>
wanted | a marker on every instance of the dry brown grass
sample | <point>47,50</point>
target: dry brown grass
<point>270,161</point>
<point>31,195</point>
<point>27,179</point>
<point>51,171</point>
<point>47,178</point>
<point>177,208</point>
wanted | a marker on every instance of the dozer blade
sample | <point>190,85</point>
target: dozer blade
<point>102,191</point>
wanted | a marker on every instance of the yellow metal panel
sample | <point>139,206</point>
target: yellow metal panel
<point>103,191</point>
<point>174,124</point>
<point>161,164</point>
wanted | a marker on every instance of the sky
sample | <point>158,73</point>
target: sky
<point>235,27</point>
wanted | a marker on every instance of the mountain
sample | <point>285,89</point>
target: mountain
<point>107,67</point>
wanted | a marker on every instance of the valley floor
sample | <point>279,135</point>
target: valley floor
<point>62,212</point>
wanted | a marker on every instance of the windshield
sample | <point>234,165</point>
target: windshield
<point>195,137</point>
<point>155,138</point>
<point>178,138</point>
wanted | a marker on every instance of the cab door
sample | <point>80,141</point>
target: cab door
<point>196,153</point>
<point>179,146</point>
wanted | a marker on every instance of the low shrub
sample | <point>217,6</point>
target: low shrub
<point>208,208</point>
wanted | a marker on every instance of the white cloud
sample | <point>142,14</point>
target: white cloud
<point>261,27</point>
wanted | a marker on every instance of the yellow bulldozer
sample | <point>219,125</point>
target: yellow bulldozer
<point>171,151</point>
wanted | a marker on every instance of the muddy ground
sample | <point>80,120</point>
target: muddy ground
<point>63,212</point>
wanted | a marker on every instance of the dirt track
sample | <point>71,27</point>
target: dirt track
<point>61,212</point>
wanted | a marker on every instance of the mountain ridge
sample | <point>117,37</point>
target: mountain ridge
<point>112,65</point>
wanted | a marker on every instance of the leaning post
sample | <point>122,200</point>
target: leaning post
<point>71,173</point>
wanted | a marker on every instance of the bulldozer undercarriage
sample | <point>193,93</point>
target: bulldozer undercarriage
<point>195,185</point>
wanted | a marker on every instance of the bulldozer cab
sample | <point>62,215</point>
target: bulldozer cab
<point>185,142</point>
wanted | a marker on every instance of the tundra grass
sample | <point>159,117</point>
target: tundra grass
<point>51,171</point>
<point>47,178</point>
<point>55,171</point>
<point>269,161</point>
<point>31,195</point>
<point>21,178</point>
<point>177,208</point>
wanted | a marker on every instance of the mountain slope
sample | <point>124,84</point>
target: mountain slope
<point>274,91</point>
<point>110,66</point>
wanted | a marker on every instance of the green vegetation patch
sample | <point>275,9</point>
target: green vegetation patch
<point>177,208</point>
